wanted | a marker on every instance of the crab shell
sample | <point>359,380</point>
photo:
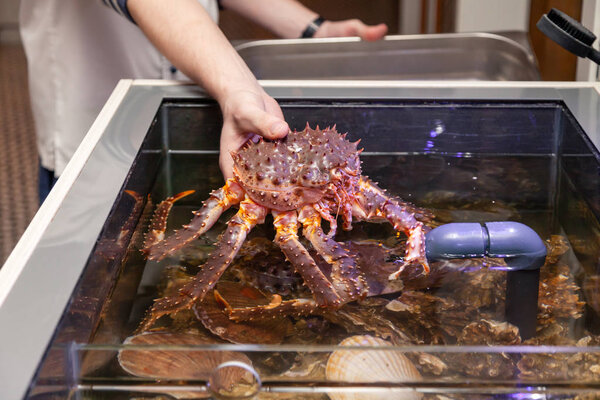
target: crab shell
<point>294,171</point>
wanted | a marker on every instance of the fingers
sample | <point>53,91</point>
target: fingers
<point>352,27</point>
<point>277,129</point>
<point>258,114</point>
<point>272,107</point>
<point>246,115</point>
<point>226,165</point>
<point>262,123</point>
<point>372,33</point>
<point>229,142</point>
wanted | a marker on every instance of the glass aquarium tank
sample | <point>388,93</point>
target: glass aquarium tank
<point>441,335</point>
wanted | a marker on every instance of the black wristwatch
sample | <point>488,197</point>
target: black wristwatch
<point>312,27</point>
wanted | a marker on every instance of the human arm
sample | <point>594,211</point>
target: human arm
<point>184,33</point>
<point>289,18</point>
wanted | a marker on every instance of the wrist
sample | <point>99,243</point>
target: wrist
<point>235,97</point>
<point>312,27</point>
<point>230,85</point>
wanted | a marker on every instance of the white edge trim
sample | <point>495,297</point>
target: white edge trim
<point>388,38</point>
<point>425,84</point>
<point>18,258</point>
<point>392,84</point>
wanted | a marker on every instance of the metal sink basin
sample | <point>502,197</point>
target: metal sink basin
<point>470,56</point>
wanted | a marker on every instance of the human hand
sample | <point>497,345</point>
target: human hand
<point>246,114</point>
<point>351,27</point>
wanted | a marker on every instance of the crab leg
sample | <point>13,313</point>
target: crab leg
<point>228,246</point>
<point>323,210</point>
<point>219,201</point>
<point>296,307</point>
<point>347,281</point>
<point>373,202</point>
<point>286,224</point>
<point>345,275</point>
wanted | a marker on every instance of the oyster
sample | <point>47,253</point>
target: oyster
<point>573,368</point>
<point>432,319</point>
<point>558,295</point>
<point>355,319</point>
<point>557,245</point>
<point>486,365</point>
<point>591,292</point>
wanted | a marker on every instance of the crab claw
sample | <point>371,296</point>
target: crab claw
<point>415,250</point>
<point>373,203</point>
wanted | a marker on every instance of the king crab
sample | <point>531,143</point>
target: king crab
<point>306,177</point>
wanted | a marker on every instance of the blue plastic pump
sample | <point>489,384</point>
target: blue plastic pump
<point>519,245</point>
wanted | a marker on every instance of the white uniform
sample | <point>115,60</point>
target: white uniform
<point>77,50</point>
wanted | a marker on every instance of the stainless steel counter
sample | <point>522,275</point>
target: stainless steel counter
<point>39,276</point>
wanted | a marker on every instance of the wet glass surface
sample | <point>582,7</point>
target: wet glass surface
<point>466,162</point>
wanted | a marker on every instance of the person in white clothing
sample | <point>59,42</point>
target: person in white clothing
<point>78,50</point>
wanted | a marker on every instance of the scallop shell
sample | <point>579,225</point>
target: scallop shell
<point>214,318</point>
<point>354,366</point>
<point>174,364</point>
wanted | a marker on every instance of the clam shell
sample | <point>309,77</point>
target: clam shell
<point>174,364</point>
<point>357,366</point>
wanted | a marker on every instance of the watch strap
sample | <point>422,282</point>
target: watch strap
<point>312,27</point>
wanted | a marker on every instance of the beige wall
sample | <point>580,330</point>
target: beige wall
<point>590,18</point>
<point>492,15</point>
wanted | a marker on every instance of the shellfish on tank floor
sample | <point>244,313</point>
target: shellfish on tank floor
<point>158,361</point>
<point>369,366</point>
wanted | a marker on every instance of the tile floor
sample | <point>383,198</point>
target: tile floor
<point>18,154</point>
